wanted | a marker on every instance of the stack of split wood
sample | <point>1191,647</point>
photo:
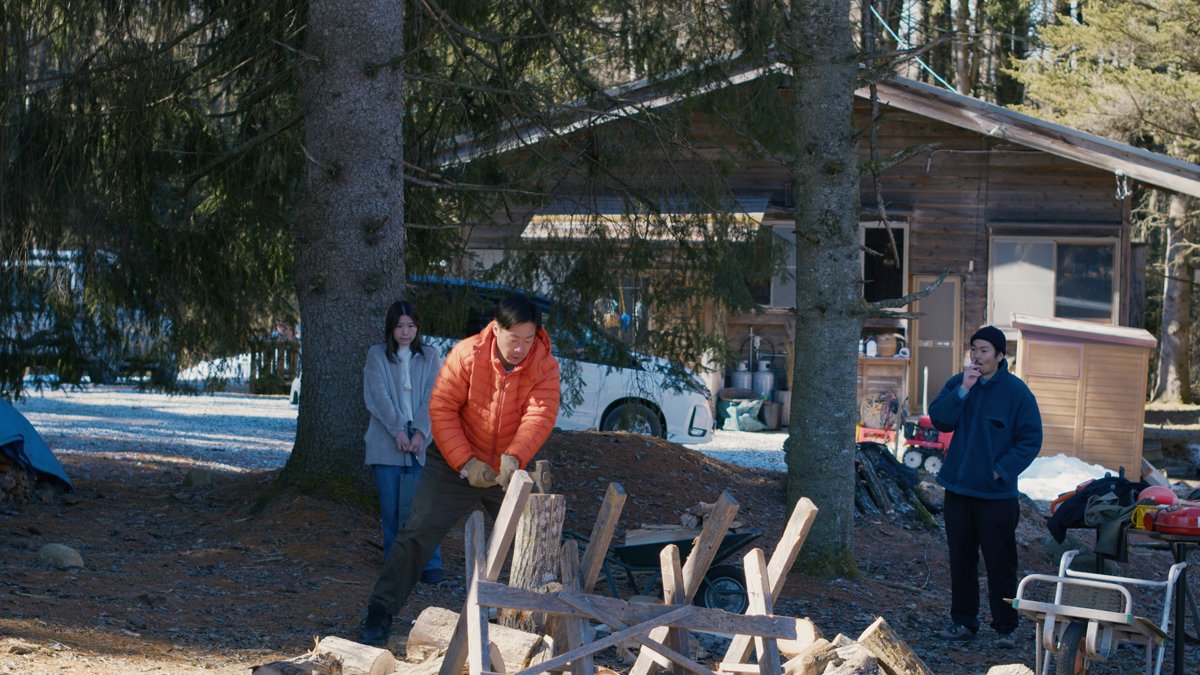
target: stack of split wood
<point>884,485</point>
<point>16,483</point>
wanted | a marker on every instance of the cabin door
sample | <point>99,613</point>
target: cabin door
<point>935,340</point>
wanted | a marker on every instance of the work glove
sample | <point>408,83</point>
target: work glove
<point>478,474</point>
<point>509,464</point>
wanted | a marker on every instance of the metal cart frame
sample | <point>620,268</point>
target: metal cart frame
<point>1083,616</point>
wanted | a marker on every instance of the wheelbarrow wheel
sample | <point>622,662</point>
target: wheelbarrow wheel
<point>1071,659</point>
<point>724,588</point>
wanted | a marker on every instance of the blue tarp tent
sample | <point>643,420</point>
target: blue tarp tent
<point>20,442</point>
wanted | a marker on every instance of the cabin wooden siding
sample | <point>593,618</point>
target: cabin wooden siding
<point>959,190</point>
<point>971,186</point>
<point>1091,396</point>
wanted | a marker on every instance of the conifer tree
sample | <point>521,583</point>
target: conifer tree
<point>1130,70</point>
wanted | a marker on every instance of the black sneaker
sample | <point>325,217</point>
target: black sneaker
<point>957,633</point>
<point>374,631</point>
<point>1005,641</point>
<point>433,577</point>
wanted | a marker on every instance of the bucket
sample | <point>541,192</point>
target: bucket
<point>885,344</point>
<point>784,398</point>
<point>770,414</point>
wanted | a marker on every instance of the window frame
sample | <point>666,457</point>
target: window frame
<point>898,224</point>
<point>1056,240</point>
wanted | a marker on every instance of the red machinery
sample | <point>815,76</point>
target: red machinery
<point>924,445</point>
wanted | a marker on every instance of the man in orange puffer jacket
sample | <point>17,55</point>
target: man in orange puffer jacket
<point>493,406</point>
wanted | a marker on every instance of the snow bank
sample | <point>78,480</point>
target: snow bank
<point>1048,477</point>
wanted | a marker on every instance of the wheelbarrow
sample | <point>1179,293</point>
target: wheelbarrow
<point>724,585</point>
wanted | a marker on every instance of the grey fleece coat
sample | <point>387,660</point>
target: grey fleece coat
<point>381,393</point>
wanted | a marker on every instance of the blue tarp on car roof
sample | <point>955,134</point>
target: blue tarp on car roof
<point>20,442</point>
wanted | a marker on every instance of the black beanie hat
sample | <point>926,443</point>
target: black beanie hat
<point>994,336</point>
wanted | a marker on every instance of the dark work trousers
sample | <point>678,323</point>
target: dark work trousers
<point>442,497</point>
<point>990,525</point>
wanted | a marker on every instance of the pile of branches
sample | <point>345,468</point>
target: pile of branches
<point>885,486</point>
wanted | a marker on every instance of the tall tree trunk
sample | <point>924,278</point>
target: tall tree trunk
<point>964,79</point>
<point>916,35</point>
<point>1010,25</point>
<point>820,445</point>
<point>349,229</point>
<point>1174,335</point>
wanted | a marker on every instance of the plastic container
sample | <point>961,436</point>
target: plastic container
<point>741,378</point>
<point>872,347</point>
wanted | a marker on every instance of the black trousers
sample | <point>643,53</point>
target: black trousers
<point>441,499</point>
<point>988,525</point>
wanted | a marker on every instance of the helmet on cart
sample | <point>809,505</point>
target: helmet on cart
<point>1159,494</point>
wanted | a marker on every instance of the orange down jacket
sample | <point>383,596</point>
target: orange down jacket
<point>478,410</point>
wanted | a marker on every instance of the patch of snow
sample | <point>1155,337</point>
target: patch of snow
<point>1048,477</point>
<point>224,430</point>
<point>232,369</point>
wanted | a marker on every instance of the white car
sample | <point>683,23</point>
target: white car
<point>631,399</point>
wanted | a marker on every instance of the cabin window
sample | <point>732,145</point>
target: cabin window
<point>884,276</point>
<point>783,285</point>
<point>1068,278</point>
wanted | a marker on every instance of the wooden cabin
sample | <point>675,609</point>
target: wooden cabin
<point>1090,384</point>
<point>1027,216</point>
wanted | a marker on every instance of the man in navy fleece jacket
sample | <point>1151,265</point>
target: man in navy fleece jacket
<point>997,434</point>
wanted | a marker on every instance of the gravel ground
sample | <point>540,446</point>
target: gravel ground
<point>226,431</point>
<point>206,428</point>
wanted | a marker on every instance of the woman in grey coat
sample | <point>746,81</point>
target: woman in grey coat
<point>397,381</point>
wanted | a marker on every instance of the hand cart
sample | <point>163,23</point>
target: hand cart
<point>724,585</point>
<point>1090,615</point>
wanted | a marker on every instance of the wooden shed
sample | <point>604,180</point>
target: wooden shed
<point>1090,384</point>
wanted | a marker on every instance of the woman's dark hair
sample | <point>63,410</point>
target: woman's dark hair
<point>398,309</point>
<point>517,309</point>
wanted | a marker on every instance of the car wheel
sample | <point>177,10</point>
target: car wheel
<point>634,418</point>
<point>724,587</point>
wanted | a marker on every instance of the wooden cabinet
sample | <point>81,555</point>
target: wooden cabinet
<point>882,374</point>
<point>1090,383</point>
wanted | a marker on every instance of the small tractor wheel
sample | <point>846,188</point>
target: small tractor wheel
<point>913,458</point>
<point>933,464</point>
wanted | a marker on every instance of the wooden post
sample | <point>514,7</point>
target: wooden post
<point>574,627</point>
<point>716,526</point>
<point>755,565</point>
<point>794,534</point>
<point>479,649</point>
<point>498,544</point>
<point>601,537</point>
<point>672,581</point>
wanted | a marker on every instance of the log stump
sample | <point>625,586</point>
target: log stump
<point>536,556</point>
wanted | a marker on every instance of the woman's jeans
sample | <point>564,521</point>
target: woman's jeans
<point>396,485</point>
